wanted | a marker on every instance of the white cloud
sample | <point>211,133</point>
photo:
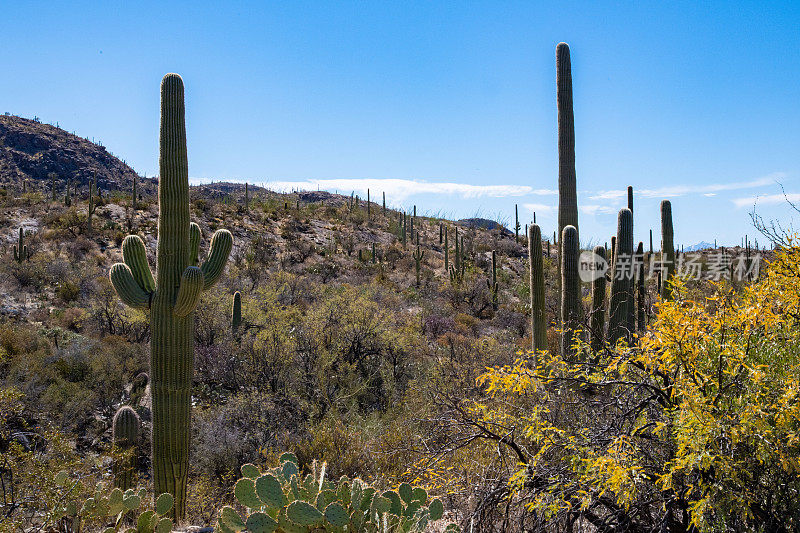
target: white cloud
<point>597,209</point>
<point>673,191</point>
<point>766,199</point>
<point>400,189</point>
<point>609,195</point>
<point>540,208</point>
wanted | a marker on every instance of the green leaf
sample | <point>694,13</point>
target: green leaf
<point>61,477</point>
<point>436,509</point>
<point>250,470</point>
<point>406,492</point>
<point>164,503</point>
<point>337,515</point>
<point>245,493</point>
<point>288,456</point>
<point>269,491</point>
<point>260,523</point>
<point>143,522</point>
<point>231,519</point>
<point>164,526</point>
<point>303,513</point>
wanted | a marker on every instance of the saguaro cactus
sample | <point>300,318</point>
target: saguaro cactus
<point>630,198</point>
<point>172,299</point>
<point>622,277</point>
<point>446,252</point>
<point>567,194</point>
<point>125,435</point>
<point>92,207</point>
<point>667,249</point>
<point>598,318</point>
<point>418,255</point>
<point>236,312</point>
<point>538,324</point>
<point>21,249</point>
<point>53,176</point>
<point>641,319</point>
<point>246,197</point>
<point>571,306</point>
<point>492,284</point>
<point>517,226</point>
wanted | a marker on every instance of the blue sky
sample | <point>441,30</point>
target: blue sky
<point>447,105</point>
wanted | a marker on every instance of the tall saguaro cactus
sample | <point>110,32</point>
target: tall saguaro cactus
<point>598,318</point>
<point>92,207</point>
<point>538,324</point>
<point>21,249</point>
<point>492,284</point>
<point>567,194</point>
<point>667,249</point>
<point>171,299</point>
<point>125,434</point>
<point>571,307</point>
<point>622,280</point>
<point>236,312</point>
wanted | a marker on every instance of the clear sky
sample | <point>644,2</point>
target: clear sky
<point>453,102</point>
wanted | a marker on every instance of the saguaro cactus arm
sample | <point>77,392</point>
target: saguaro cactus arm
<point>194,244</point>
<point>127,289</point>
<point>135,256</point>
<point>220,249</point>
<point>192,282</point>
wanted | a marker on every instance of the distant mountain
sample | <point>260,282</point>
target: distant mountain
<point>32,150</point>
<point>702,245</point>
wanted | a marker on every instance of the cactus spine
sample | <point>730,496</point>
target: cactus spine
<point>571,306</point>
<point>418,255</point>
<point>21,249</point>
<point>236,312</point>
<point>538,324</point>
<point>622,278</point>
<point>125,435</point>
<point>598,318</point>
<point>567,195</point>
<point>492,284</point>
<point>172,299</point>
<point>667,249</point>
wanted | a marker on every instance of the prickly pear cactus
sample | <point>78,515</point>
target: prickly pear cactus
<point>283,500</point>
<point>171,300</point>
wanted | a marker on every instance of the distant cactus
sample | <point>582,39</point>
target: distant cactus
<point>538,324</point>
<point>492,283</point>
<point>598,316</point>
<point>571,306</point>
<point>567,194</point>
<point>622,278</point>
<point>53,176</point>
<point>68,194</point>
<point>92,207</point>
<point>125,435</point>
<point>246,197</point>
<point>368,206</point>
<point>21,249</point>
<point>441,231</point>
<point>651,242</point>
<point>236,312</point>
<point>667,249</point>
<point>517,226</point>
<point>446,253</point>
<point>403,230</point>
<point>173,299</point>
<point>418,255</point>
<point>630,198</point>
<point>641,319</point>
<point>384,203</point>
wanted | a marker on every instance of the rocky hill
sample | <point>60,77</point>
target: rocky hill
<point>31,150</point>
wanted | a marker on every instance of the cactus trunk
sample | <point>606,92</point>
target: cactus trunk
<point>538,324</point>
<point>667,249</point>
<point>598,318</point>
<point>567,194</point>
<point>622,278</point>
<point>571,306</point>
